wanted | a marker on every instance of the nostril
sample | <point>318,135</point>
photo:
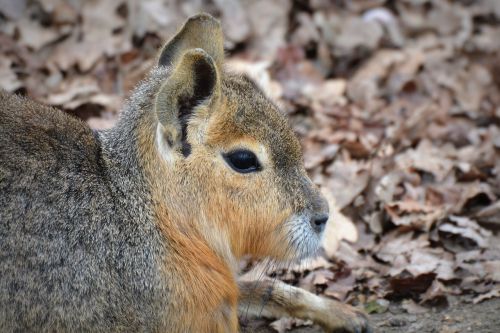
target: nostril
<point>319,222</point>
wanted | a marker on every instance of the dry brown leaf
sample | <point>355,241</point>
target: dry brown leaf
<point>13,9</point>
<point>364,87</point>
<point>413,214</point>
<point>74,93</point>
<point>413,308</point>
<point>388,186</point>
<point>8,79</point>
<point>259,73</point>
<point>347,180</point>
<point>338,227</point>
<point>467,230</point>
<point>492,268</point>
<point>489,215</point>
<point>268,21</point>
<point>397,243</point>
<point>99,21</point>
<point>327,94</point>
<point>347,34</point>
<point>427,157</point>
<point>436,293</point>
<point>61,11</point>
<point>311,264</point>
<point>35,36</point>
<point>406,285</point>
<point>285,324</point>
<point>234,20</point>
<point>316,153</point>
<point>492,293</point>
<point>340,288</point>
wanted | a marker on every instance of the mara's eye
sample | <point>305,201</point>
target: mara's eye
<point>242,161</point>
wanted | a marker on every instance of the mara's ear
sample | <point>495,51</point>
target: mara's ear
<point>193,82</point>
<point>200,31</point>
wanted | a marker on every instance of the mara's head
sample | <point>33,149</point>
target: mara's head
<point>229,163</point>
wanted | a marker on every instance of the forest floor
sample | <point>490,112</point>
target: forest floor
<point>460,316</point>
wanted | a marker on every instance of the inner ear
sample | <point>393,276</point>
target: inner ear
<point>204,77</point>
<point>193,82</point>
<point>204,83</point>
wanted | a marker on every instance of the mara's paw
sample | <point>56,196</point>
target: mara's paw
<point>355,321</point>
<point>342,318</point>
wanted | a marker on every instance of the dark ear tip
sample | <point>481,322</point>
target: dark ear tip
<point>201,30</point>
<point>203,18</point>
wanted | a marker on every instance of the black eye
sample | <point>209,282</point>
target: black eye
<point>242,161</point>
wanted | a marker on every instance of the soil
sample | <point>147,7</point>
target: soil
<point>460,316</point>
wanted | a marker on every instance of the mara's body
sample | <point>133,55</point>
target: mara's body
<point>78,246</point>
<point>140,228</point>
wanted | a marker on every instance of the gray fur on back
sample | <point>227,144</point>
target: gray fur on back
<point>79,250</point>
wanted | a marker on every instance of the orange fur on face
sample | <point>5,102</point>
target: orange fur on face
<point>251,217</point>
<point>251,208</point>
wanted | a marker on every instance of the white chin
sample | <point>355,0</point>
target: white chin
<point>304,241</point>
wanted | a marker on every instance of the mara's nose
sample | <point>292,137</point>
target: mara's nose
<point>318,222</point>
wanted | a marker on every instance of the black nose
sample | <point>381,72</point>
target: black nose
<point>318,222</point>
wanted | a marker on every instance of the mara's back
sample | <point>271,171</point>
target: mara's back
<point>71,255</point>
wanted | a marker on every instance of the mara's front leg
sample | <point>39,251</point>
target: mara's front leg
<point>277,299</point>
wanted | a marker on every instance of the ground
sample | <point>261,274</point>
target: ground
<point>460,316</point>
